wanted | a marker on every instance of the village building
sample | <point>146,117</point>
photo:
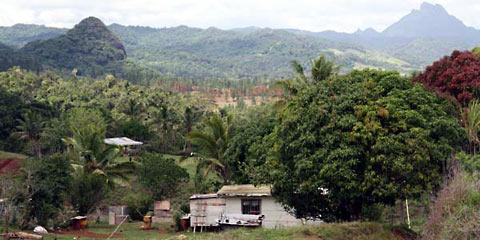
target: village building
<point>240,205</point>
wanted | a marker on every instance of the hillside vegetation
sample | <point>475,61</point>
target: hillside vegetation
<point>89,49</point>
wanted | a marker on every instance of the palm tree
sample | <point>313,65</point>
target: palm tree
<point>30,128</point>
<point>190,117</point>
<point>322,69</point>
<point>471,122</point>
<point>134,109</point>
<point>211,145</point>
<point>94,156</point>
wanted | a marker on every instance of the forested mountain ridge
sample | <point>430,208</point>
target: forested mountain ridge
<point>19,35</point>
<point>204,53</point>
<point>10,57</point>
<point>254,52</point>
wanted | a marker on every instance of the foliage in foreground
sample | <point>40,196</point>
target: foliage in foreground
<point>456,211</point>
<point>331,231</point>
<point>337,231</point>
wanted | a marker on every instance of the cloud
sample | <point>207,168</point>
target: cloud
<point>340,15</point>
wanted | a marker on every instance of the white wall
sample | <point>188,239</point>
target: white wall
<point>275,215</point>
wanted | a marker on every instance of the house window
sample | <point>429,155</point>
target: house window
<point>251,206</point>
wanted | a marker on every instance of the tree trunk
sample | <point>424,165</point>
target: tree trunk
<point>356,209</point>
<point>38,149</point>
<point>7,219</point>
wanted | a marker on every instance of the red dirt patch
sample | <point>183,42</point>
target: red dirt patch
<point>10,165</point>
<point>404,234</point>
<point>86,233</point>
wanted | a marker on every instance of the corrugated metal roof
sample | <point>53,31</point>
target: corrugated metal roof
<point>122,141</point>
<point>247,190</point>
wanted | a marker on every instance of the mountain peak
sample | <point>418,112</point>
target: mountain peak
<point>90,43</point>
<point>428,7</point>
<point>92,28</point>
<point>430,21</point>
<point>369,32</point>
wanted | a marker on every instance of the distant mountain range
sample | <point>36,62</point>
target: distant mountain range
<point>413,42</point>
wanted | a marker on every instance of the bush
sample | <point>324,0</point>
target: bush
<point>160,176</point>
<point>139,203</point>
<point>87,191</point>
<point>177,219</point>
<point>469,163</point>
<point>47,180</point>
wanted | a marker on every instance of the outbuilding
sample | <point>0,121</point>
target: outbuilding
<point>240,205</point>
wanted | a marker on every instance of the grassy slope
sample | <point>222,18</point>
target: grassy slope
<point>11,155</point>
<point>456,211</point>
<point>344,231</point>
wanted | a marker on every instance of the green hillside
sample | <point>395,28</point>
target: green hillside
<point>89,49</point>
<point>215,53</point>
<point>20,34</point>
<point>185,52</point>
<point>10,57</point>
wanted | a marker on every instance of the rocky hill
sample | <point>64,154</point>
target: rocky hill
<point>89,47</point>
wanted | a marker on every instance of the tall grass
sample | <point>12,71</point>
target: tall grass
<point>455,214</point>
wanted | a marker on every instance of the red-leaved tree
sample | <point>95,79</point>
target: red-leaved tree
<point>457,76</point>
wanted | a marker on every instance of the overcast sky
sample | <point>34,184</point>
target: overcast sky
<point>313,15</point>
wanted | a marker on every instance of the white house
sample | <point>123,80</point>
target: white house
<point>244,205</point>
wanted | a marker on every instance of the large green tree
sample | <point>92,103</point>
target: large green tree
<point>249,146</point>
<point>364,138</point>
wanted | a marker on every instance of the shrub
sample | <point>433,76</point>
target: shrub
<point>88,189</point>
<point>46,181</point>
<point>160,176</point>
<point>139,203</point>
<point>456,211</point>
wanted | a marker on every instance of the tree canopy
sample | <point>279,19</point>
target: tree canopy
<point>367,137</point>
<point>456,76</point>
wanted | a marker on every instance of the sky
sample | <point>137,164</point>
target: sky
<point>312,15</point>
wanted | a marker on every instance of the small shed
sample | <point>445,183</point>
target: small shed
<point>78,222</point>
<point>117,214</point>
<point>131,147</point>
<point>206,210</point>
<point>162,212</point>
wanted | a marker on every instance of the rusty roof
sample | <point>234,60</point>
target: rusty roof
<point>245,190</point>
